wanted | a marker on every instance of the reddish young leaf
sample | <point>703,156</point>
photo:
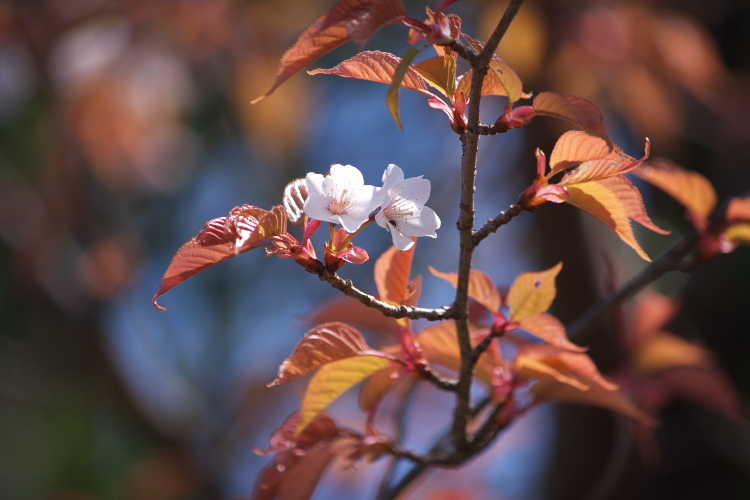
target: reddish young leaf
<point>575,147</point>
<point>321,436</point>
<point>691,189</point>
<point>317,40</point>
<point>333,379</point>
<point>321,345</point>
<point>533,293</point>
<point>440,72</point>
<point>551,330</point>
<point>603,204</point>
<point>632,201</point>
<point>323,428</point>
<point>481,287</point>
<point>552,363</point>
<point>376,66</point>
<point>595,395</point>
<point>455,23</point>
<point>576,110</point>
<point>347,20</point>
<point>392,271</point>
<point>365,17</point>
<point>301,479</point>
<point>245,228</point>
<point>710,387</point>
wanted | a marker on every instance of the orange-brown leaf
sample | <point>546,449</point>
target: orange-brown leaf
<point>691,189</point>
<point>481,287</point>
<point>317,40</point>
<point>353,312</point>
<point>664,351</point>
<point>552,363</point>
<point>392,271</point>
<point>576,110</point>
<point>321,345</point>
<point>245,228</point>
<point>551,330</point>
<point>323,428</point>
<point>553,390</point>
<point>375,388</point>
<point>365,17</point>
<point>347,20</point>
<point>632,201</point>
<point>602,203</point>
<point>615,163</point>
<point>575,147</point>
<point>376,66</point>
<point>533,293</point>
<point>440,72</point>
<point>505,75</point>
<point>439,343</point>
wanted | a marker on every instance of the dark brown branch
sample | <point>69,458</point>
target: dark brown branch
<point>470,143</point>
<point>464,51</point>
<point>348,288</point>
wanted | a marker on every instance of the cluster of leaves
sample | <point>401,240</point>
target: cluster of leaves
<point>509,344</point>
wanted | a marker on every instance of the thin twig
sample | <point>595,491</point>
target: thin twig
<point>348,288</point>
<point>493,225</point>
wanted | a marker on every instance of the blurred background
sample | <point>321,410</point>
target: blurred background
<point>126,125</point>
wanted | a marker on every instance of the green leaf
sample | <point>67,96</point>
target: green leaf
<point>391,97</point>
<point>335,378</point>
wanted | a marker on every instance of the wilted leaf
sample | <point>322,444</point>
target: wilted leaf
<point>533,293</point>
<point>575,147</point>
<point>576,110</point>
<point>245,228</point>
<point>615,400</point>
<point>333,379</point>
<point>391,98</point>
<point>321,345</point>
<point>551,330</point>
<point>691,189</point>
<point>632,201</point>
<point>440,72</point>
<point>481,287</point>
<point>376,66</point>
<point>602,203</point>
<point>550,362</point>
<point>392,270</point>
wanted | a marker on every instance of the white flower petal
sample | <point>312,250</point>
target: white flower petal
<point>392,176</point>
<point>425,224</point>
<point>401,241</point>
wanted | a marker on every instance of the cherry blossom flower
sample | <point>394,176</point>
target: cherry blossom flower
<point>341,197</point>
<point>403,212</point>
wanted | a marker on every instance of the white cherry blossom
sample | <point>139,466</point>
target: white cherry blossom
<point>403,212</point>
<point>341,197</point>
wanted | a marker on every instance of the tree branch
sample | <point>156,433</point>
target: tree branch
<point>348,288</point>
<point>493,225</point>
